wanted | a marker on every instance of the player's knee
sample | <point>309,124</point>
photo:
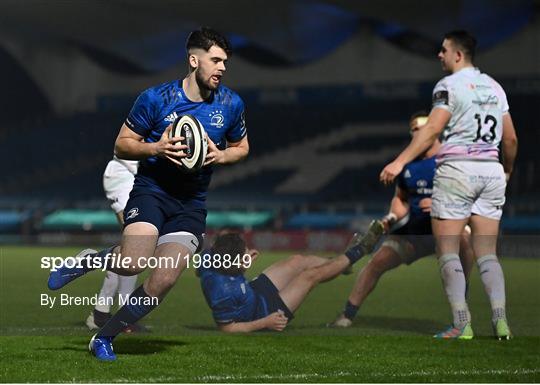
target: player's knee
<point>297,260</point>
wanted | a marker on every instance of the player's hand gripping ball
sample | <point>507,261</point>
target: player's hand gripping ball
<point>195,139</point>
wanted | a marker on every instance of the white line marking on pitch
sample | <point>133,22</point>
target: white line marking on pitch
<point>421,373</point>
<point>303,376</point>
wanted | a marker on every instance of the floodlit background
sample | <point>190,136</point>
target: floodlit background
<point>328,85</point>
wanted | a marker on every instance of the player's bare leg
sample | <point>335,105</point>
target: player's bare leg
<point>283,272</point>
<point>297,290</point>
<point>485,231</point>
<point>447,234</point>
<point>138,241</point>
<point>162,279</point>
<point>149,295</point>
<point>385,259</point>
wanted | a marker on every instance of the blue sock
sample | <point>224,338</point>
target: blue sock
<point>355,253</point>
<point>350,310</point>
<point>138,306</point>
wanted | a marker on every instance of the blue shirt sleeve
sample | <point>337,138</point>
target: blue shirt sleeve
<point>238,129</point>
<point>141,116</point>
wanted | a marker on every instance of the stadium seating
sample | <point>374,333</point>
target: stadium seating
<point>64,161</point>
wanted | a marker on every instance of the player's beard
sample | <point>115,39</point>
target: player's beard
<point>204,84</point>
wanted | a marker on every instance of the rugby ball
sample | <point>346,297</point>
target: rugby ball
<point>194,135</point>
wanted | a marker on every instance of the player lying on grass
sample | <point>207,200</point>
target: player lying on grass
<point>269,301</point>
<point>414,238</point>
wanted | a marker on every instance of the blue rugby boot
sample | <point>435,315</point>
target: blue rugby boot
<point>101,348</point>
<point>64,275</point>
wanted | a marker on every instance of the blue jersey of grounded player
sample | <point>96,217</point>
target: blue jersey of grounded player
<point>222,116</point>
<point>417,180</point>
<point>230,297</point>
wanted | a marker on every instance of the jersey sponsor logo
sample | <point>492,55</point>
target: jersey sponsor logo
<point>491,99</point>
<point>132,213</point>
<point>171,117</point>
<point>440,97</point>
<point>421,183</point>
<point>424,191</point>
<point>216,118</point>
<point>481,86</point>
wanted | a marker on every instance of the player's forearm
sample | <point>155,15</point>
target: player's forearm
<point>132,149</point>
<point>420,143</point>
<point>243,327</point>
<point>509,153</point>
<point>399,208</point>
<point>234,154</point>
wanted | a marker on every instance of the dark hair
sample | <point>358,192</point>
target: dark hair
<point>205,38</point>
<point>463,41</point>
<point>232,244</point>
<point>417,114</point>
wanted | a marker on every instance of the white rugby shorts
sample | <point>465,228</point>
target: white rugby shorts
<point>117,183</point>
<point>462,188</point>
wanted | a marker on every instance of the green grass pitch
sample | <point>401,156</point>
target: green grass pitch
<point>390,340</point>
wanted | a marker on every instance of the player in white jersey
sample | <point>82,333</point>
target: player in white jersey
<point>117,183</point>
<point>471,111</point>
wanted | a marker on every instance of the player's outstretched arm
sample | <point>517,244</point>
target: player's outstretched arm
<point>509,145</point>
<point>427,134</point>
<point>130,146</point>
<point>275,321</point>
<point>234,152</point>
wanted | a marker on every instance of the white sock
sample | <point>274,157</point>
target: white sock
<point>493,278</point>
<point>126,285</point>
<point>107,292</point>
<point>455,287</point>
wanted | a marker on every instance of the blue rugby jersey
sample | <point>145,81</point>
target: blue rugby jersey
<point>230,297</point>
<point>417,180</point>
<point>222,116</point>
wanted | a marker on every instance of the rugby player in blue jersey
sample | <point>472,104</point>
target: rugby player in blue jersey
<point>269,301</point>
<point>411,236</point>
<point>165,216</point>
